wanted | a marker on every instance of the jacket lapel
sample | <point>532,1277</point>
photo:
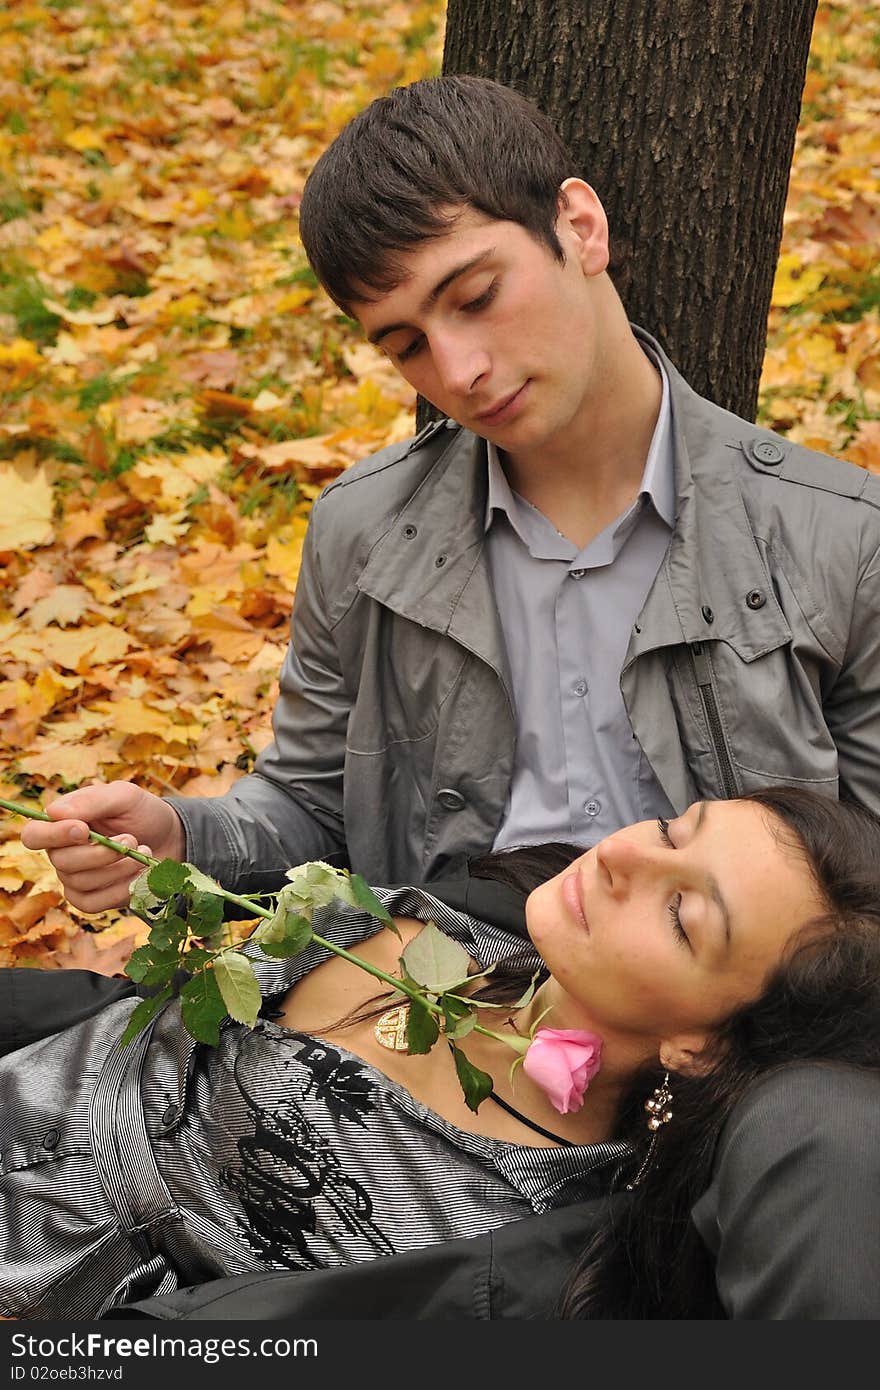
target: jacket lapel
<point>430,566</point>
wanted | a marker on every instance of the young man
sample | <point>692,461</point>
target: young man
<point>585,597</point>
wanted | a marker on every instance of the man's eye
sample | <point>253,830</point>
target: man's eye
<point>663,827</point>
<point>473,306</point>
<point>410,351</point>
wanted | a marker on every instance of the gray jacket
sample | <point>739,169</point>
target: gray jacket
<point>756,657</point>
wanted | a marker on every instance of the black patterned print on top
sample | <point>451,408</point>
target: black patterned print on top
<point>290,1183</point>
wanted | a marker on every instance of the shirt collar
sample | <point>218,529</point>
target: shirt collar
<point>658,477</point>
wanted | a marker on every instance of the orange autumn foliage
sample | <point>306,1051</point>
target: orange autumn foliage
<point>175,389</point>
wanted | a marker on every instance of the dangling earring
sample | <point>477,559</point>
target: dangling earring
<point>659,1114</point>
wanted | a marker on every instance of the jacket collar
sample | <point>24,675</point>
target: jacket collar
<point>429,566</point>
<point>711,522</point>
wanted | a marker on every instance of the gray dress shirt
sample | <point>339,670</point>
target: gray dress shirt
<point>579,773</point>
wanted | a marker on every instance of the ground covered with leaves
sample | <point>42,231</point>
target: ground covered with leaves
<point>175,390</point>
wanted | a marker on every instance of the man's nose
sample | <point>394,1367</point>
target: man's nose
<point>460,364</point>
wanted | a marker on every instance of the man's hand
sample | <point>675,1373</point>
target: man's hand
<point>95,878</point>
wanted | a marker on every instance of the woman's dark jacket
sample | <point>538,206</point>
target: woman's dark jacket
<point>792,1216</point>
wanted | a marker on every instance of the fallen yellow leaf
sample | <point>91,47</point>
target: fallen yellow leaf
<point>794,281</point>
<point>28,505</point>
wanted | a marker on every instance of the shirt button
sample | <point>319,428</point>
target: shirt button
<point>169,1114</point>
<point>593,807</point>
<point>51,1139</point>
<point>450,799</point>
<point>580,687</point>
<point>576,574</point>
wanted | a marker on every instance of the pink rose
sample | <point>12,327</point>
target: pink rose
<point>563,1062</point>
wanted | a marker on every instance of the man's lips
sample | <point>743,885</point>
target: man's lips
<point>571,894</point>
<point>498,409</point>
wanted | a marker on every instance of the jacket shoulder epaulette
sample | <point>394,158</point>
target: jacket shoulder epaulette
<point>772,454</point>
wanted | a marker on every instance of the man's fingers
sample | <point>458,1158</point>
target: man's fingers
<point>76,859</point>
<point>48,835</point>
<point>101,900</point>
<point>110,880</point>
<point>94,802</point>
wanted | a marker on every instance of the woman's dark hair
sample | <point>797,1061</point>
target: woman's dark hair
<point>397,172</point>
<point>821,1003</point>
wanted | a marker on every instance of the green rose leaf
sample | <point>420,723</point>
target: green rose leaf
<point>476,1084</point>
<point>150,966</point>
<point>201,882</point>
<point>365,897</point>
<point>141,900</point>
<point>139,963</point>
<point>143,1015</point>
<point>238,985</point>
<point>318,884</point>
<point>196,958</point>
<point>530,990</point>
<point>202,1008</point>
<point>205,913</point>
<point>285,934</point>
<point>168,933</point>
<point>422,1029</point>
<point>434,961</point>
<point>460,1017</point>
<point>167,878</point>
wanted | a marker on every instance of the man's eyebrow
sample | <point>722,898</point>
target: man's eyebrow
<point>433,295</point>
<point>712,883</point>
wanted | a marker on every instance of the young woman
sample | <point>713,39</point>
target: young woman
<point>702,951</point>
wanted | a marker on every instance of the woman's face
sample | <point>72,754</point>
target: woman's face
<point>663,928</point>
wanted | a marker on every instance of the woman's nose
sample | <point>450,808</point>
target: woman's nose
<point>621,860</point>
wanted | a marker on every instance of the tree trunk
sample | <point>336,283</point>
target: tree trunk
<point>682,115</point>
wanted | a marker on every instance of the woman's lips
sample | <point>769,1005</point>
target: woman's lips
<point>571,894</point>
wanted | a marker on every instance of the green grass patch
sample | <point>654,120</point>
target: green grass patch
<point>23,299</point>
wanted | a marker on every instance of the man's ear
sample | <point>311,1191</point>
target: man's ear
<point>582,226</point>
<point>685,1054</point>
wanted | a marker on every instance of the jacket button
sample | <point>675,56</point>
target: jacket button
<point>766,451</point>
<point>51,1139</point>
<point>440,562</point>
<point>756,599</point>
<point>169,1114</point>
<point>708,615</point>
<point>450,799</point>
<point>576,574</point>
<point>410,532</point>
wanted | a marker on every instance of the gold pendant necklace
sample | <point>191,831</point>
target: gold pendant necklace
<point>390,1028</point>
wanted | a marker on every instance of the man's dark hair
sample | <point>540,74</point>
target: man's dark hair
<point>402,169</point>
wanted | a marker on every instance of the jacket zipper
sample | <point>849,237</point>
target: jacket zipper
<point>703,673</point>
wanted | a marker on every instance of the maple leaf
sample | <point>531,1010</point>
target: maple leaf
<point>65,605</point>
<point>28,505</point>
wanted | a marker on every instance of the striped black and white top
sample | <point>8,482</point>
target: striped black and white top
<point>127,1172</point>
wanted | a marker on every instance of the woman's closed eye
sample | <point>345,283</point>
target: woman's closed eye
<point>673,907</point>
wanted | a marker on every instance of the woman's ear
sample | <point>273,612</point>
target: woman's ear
<point>582,226</point>
<point>685,1054</point>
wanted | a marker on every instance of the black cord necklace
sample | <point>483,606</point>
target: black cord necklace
<point>539,1129</point>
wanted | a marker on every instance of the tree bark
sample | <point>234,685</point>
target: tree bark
<point>682,114</point>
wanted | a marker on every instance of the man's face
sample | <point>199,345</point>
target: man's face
<point>492,329</point>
